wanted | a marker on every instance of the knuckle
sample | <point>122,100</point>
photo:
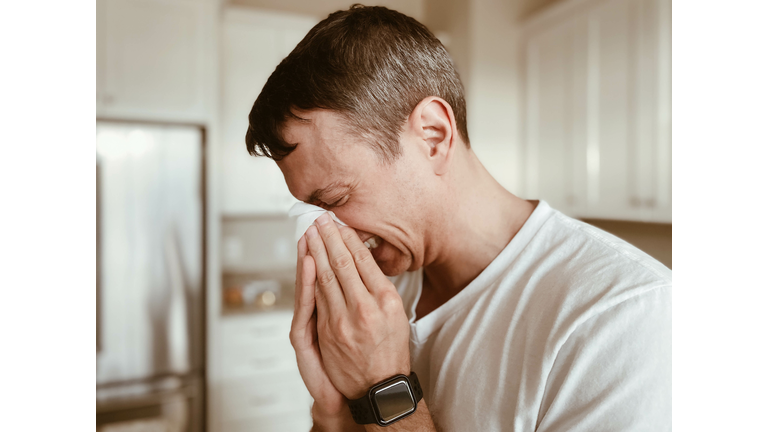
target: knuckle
<point>332,235</point>
<point>342,329</point>
<point>307,303</point>
<point>326,277</point>
<point>342,262</point>
<point>362,256</point>
<point>348,234</point>
<point>391,301</point>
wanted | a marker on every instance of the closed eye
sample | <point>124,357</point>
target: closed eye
<point>338,203</point>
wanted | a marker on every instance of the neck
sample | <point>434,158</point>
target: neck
<point>484,220</point>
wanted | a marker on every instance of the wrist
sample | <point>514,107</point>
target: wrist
<point>371,381</point>
<point>388,401</point>
<point>420,420</point>
<point>318,411</point>
<point>334,420</point>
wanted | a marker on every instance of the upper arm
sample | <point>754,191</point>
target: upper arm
<point>614,373</point>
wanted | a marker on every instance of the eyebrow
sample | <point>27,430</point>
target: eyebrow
<point>318,194</point>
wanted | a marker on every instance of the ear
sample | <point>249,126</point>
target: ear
<point>434,126</point>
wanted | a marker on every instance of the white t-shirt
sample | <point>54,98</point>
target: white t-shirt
<point>568,329</point>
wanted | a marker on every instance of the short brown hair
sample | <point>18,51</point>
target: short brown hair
<point>372,65</point>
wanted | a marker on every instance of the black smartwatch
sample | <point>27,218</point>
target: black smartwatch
<point>388,401</point>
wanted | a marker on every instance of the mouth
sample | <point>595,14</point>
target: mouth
<point>373,242</point>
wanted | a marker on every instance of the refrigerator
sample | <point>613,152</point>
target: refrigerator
<point>150,344</point>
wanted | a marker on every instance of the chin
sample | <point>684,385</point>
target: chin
<point>391,270</point>
<point>391,261</point>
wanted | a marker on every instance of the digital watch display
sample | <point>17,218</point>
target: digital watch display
<point>388,401</point>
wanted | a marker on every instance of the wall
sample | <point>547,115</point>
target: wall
<point>321,9</point>
<point>494,99</point>
<point>447,19</point>
<point>655,239</point>
<point>529,8</point>
<point>481,36</point>
<point>483,40</point>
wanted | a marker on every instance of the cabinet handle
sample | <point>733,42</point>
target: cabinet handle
<point>108,99</point>
<point>650,202</point>
<point>634,202</point>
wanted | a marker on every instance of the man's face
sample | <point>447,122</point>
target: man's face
<point>335,170</point>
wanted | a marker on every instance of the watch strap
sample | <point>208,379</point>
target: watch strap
<point>362,409</point>
<point>415,387</point>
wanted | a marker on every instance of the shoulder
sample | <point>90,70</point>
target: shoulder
<point>594,248</point>
<point>608,246</point>
<point>574,255</point>
<point>572,272</point>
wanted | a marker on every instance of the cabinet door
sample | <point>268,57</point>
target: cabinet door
<point>252,44</point>
<point>633,112</point>
<point>152,59</point>
<point>610,66</point>
<point>597,115</point>
<point>649,191</point>
<point>261,386</point>
<point>556,128</point>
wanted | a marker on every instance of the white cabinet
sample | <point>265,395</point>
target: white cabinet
<point>252,45</point>
<point>152,59</point>
<point>260,387</point>
<point>598,109</point>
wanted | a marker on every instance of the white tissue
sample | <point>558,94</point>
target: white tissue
<point>306,214</point>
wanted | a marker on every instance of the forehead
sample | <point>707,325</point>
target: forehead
<point>326,153</point>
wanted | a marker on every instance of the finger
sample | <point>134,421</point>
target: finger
<point>312,369</point>
<point>310,284</point>
<point>302,315</point>
<point>341,261</point>
<point>301,252</point>
<point>322,304</point>
<point>304,295</point>
<point>302,247</point>
<point>308,281</point>
<point>309,276</point>
<point>370,273</point>
<point>330,291</point>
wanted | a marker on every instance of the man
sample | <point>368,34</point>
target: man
<point>511,315</point>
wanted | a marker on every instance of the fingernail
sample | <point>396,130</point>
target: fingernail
<point>312,232</point>
<point>324,219</point>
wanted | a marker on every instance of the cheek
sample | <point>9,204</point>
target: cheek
<point>356,217</point>
<point>362,210</point>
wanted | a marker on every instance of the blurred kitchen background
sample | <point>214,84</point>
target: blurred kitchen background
<point>568,101</point>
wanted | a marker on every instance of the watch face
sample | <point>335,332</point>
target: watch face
<point>394,401</point>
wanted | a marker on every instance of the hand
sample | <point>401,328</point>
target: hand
<point>328,401</point>
<point>362,329</point>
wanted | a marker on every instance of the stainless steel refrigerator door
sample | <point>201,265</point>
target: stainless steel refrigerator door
<point>150,246</point>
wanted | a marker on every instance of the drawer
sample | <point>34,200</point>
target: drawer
<point>298,421</point>
<point>254,329</point>
<point>258,358</point>
<point>269,396</point>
